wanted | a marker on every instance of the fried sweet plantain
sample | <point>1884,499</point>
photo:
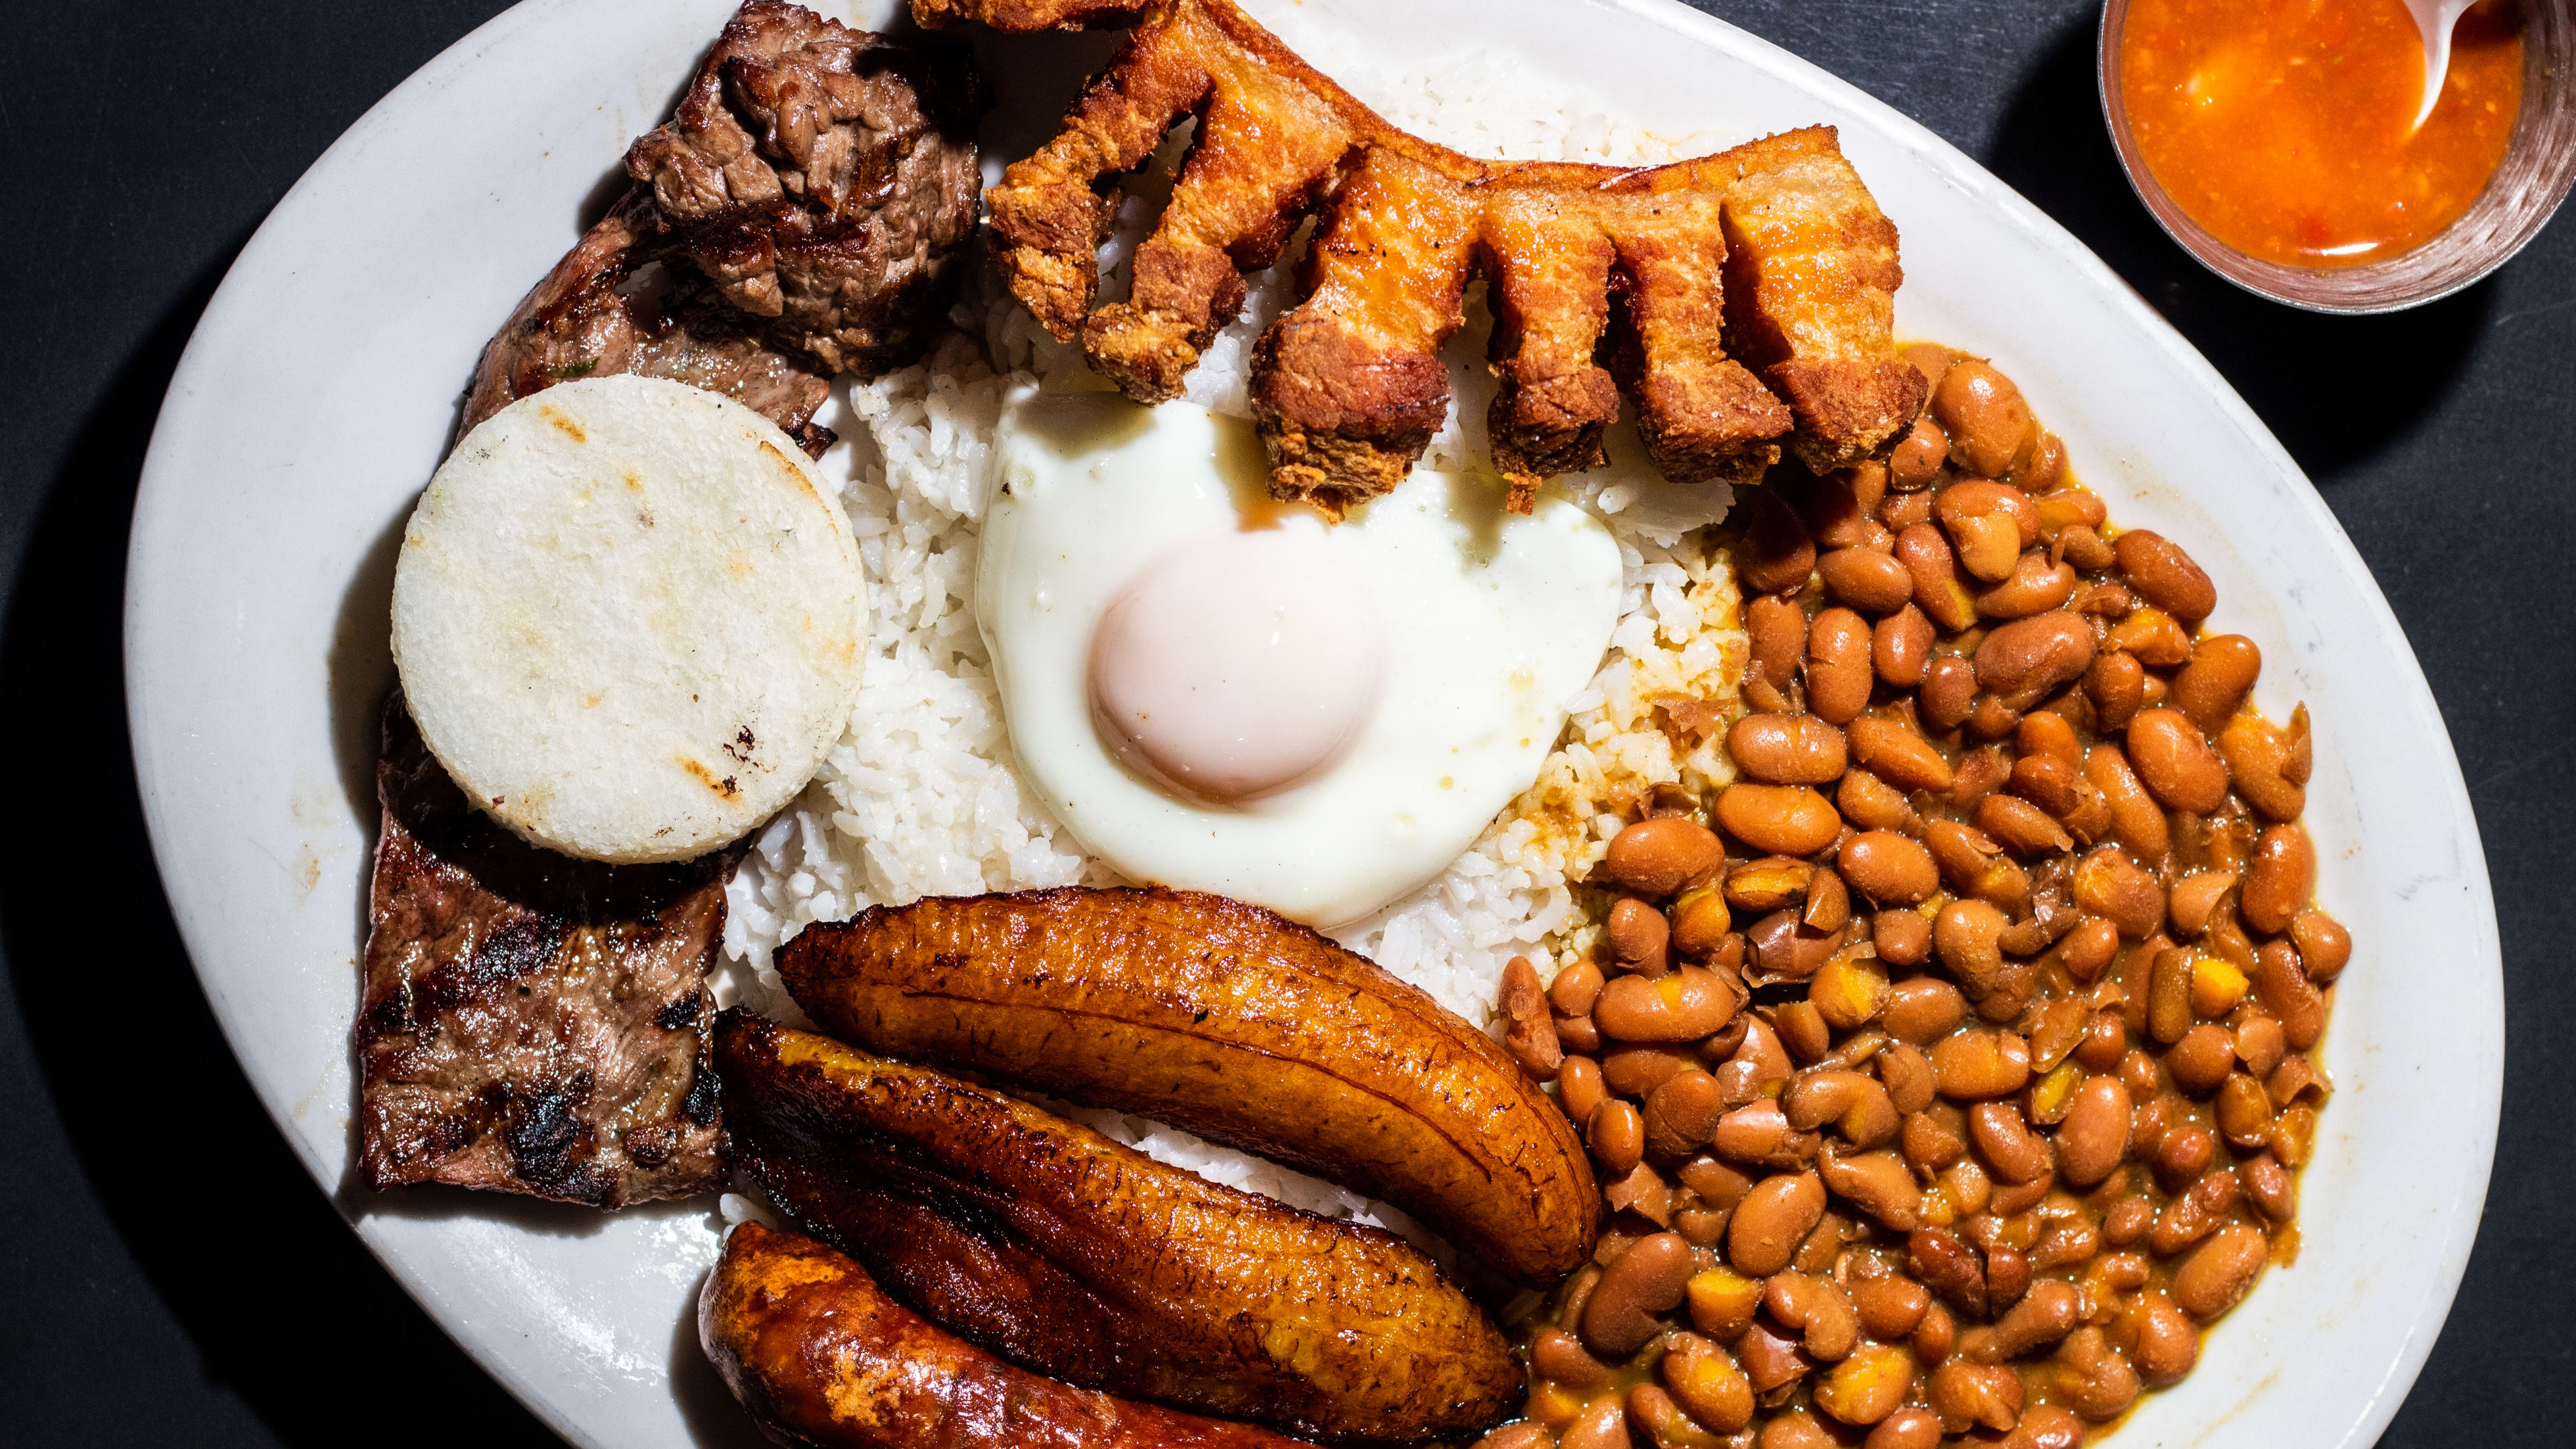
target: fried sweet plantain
<point>821,1357</point>
<point>1076,1256</point>
<point>1229,1021</point>
<point>1641,265</point>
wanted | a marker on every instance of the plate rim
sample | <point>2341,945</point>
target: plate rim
<point>161,479</point>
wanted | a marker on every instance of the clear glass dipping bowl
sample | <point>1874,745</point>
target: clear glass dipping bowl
<point>2539,163</point>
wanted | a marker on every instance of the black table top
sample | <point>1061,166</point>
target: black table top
<point>169,1275</point>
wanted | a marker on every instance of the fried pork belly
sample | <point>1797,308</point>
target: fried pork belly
<point>1584,264</point>
<point>532,1023</point>
<point>1811,278</point>
<point>823,179</point>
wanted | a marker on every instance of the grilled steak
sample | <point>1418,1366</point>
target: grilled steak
<point>532,1023</point>
<point>615,304</point>
<point>804,213</point>
<point>825,179</point>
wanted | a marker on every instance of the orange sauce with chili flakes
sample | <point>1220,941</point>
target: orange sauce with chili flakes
<point>2281,125</point>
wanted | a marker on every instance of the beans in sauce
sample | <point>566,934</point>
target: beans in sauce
<point>1951,1071</point>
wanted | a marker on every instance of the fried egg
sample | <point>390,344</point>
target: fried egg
<point>1217,691</point>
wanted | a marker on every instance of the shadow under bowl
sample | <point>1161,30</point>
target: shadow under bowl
<point>2528,185</point>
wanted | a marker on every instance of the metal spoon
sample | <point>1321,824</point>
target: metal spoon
<point>2435,18</point>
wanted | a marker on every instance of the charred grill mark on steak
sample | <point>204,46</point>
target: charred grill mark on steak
<point>533,1023</point>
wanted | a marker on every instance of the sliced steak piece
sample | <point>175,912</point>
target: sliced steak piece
<point>532,1023</point>
<point>825,180</point>
<point>615,304</point>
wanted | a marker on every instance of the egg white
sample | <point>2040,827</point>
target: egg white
<point>1492,621</point>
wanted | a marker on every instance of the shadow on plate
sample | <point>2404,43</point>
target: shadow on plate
<point>282,1305</point>
<point>2335,390</point>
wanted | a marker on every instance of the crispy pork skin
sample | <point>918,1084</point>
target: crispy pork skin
<point>822,1358</point>
<point>1232,1022</point>
<point>1639,267</point>
<point>532,1023</point>
<point>1076,1256</point>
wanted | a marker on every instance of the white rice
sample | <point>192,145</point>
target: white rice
<point>921,797</point>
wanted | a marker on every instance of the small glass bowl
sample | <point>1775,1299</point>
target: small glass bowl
<point>2529,183</point>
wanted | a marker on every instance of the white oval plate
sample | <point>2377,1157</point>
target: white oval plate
<point>318,394</point>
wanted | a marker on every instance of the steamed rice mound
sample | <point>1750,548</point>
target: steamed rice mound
<point>920,796</point>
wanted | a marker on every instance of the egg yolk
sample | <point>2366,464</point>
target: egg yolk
<point>1238,665</point>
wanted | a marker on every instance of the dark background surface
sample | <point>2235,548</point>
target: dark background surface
<point>169,1276</point>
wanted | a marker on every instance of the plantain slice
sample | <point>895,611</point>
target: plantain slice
<point>821,1357</point>
<point>1229,1021</point>
<point>1076,1256</point>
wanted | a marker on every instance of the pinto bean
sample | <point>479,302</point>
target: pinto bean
<point>1772,1221</point>
<point>1868,579</point>
<point>2024,828</point>
<point>1969,1065</point>
<point>2028,659</point>
<point>1778,554</point>
<point>1532,1036</point>
<point>2155,637</point>
<point>1940,589</point>
<point>1647,1280</point>
<point>1705,1381</point>
<point>2323,944</point>
<point>2086,951</point>
<point>1901,647</point>
<point>1658,857</point>
<point>2214,685</point>
<point>1815,1309</point>
<point>1579,1089</point>
<point>1787,749</point>
<point>1699,922</point>
<point>1868,1386</point>
<point>1966,1394</point>
<point>1639,937</point>
<point>1617,1137</point>
<point>2108,886</point>
<point>1633,1071</point>
<point>2137,821</point>
<point>1524,1434</point>
<point>1559,1357</point>
<point>1989,525</point>
<point>1972,862</point>
<point>1890,750</point>
<point>1889,868</point>
<point>1778,628</point>
<point>2219,1271</point>
<point>1949,693</point>
<point>1681,1115</point>
<point>1907,1428</point>
<point>2262,759</point>
<point>2095,1135</point>
<point>1839,673</point>
<point>1603,1424</point>
<point>2201,1059</point>
<point>2035,586</point>
<point>1855,1103</point>
<point>2097,1382</point>
<point>2288,995</point>
<point>1918,457</point>
<point>1901,938</point>
<point>1575,987</point>
<point>2117,685</point>
<point>1722,1302</point>
<point>2016,1153</point>
<point>2163,1343</point>
<point>1988,421</point>
<point>1778,819</point>
<point>1923,1010</point>
<point>2175,763</point>
<point>2278,883</point>
<point>2164,574</point>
